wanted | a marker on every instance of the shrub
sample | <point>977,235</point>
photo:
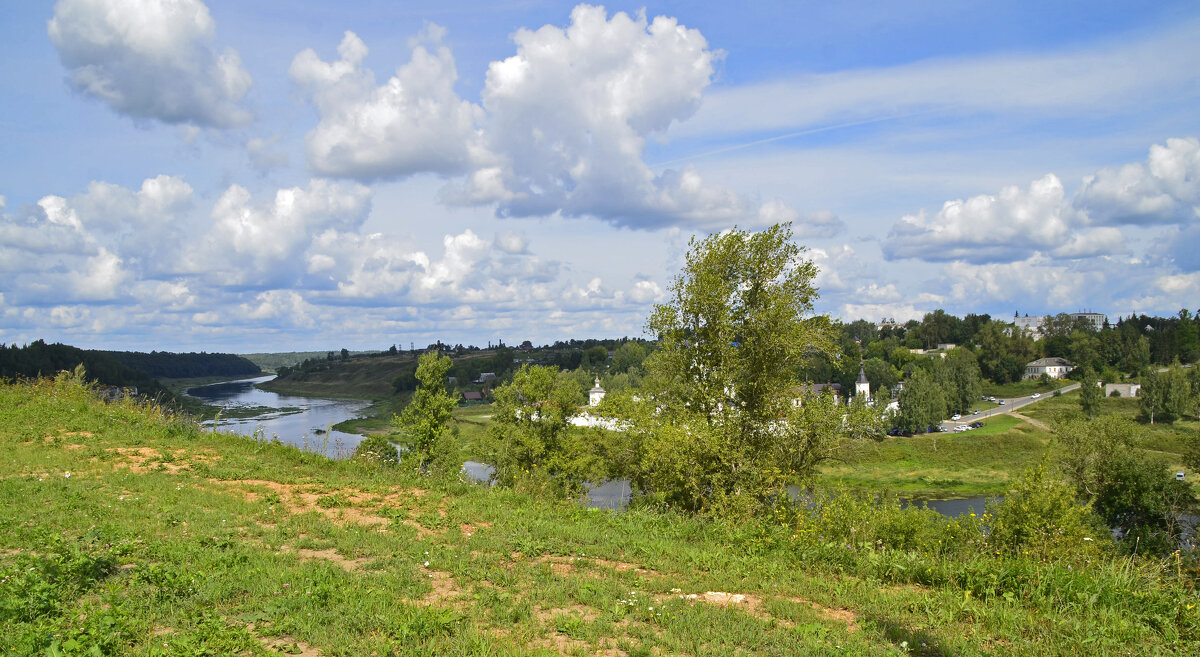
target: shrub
<point>1042,518</point>
<point>377,449</point>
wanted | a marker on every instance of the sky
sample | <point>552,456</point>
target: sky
<point>182,175</point>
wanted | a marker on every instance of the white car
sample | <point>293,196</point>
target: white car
<point>956,417</point>
<point>962,427</point>
<point>1035,395</point>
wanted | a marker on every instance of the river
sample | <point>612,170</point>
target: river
<point>305,422</point>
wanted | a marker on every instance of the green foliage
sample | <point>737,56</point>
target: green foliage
<point>1041,517</point>
<point>1141,496</point>
<point>1167,396</point>
<point>883,377</point>
<point>628,356</point>
<point>1091,393</point>
<point>427,418</point>
<point>531,436</point>
<point>377,449</point>
<point>922,403</point>
<point>1127,488</point>
<point>715,427</point>
<point>958,374</point>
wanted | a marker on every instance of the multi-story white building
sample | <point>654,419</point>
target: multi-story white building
<point>1095,319</point>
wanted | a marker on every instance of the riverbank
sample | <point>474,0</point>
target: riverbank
<point>132,531</point>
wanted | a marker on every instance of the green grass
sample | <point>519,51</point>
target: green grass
<point>165,540</point>
<point>971,463</point>
<point>995,425</point>
<point>1168,441</point>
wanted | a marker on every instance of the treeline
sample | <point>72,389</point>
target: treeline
<point>889,353</point>
<point>179,366</point>
<point>40,359</point>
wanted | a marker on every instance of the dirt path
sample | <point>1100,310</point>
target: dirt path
<point>1037,423</point>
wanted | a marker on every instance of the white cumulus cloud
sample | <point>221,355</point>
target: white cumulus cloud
<point>151,59</point>
<point>1163,190</point>
<point>1005,227</point>
<point>414,122</point>
<point>270,236</point>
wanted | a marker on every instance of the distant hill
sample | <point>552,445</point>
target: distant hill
<point>167,365</point>
<point>272,361</point>
<point>380,375</point>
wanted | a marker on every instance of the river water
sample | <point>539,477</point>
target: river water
<point>305,422</point>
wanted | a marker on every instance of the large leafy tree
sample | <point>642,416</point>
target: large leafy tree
<point>714,426</point>
<point>530,437</point>
<point>959,376</point>
<point>1129,489</point>
<point>426,419</point>
<point>1166,395</point>
<point>1091,393</point>
<point>922,403</point>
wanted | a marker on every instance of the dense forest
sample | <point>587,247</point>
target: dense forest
<point>40,359</point>
<point>164,364</point>
<point>118,368</point>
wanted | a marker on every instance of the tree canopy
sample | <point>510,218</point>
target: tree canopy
<point>715,424</point>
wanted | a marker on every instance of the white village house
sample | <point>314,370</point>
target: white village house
<point>1054,367</point>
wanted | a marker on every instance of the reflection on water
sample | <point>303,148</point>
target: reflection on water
<point>953,508</point>
<point>616,494</point>
<point>305,422</point>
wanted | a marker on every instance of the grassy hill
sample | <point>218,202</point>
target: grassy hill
<point>364,377</point>
<point>125,530</point>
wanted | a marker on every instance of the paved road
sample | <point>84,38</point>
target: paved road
<point>1010,404</point>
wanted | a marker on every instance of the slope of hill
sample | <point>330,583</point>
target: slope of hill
<point>126,530</point>
<point>378,375</point>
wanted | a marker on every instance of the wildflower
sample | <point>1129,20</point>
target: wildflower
<point>67,475</point>
<point>426,564</point>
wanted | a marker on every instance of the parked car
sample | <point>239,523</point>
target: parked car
<point>1000,402</point>
<point>975,412</point>
<point>962,427</point>
<point>976,425</point>
<point>991,399</point>
<point>956,417</point>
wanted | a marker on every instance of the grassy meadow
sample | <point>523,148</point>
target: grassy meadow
<point>979,462</point>
<point>127,531</point>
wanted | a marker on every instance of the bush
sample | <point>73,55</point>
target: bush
<point>1042,518</point>
<point>377,449</point>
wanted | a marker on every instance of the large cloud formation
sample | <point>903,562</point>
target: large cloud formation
<point>151,59</point>
<point>1163,190</point>
<point>414,122</point>
<point>562,127</point>
<point>1008,226</point>
<point>1017,224</point>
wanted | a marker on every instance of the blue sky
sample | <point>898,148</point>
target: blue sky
<point>300,175</point>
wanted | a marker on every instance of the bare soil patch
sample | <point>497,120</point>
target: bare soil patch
<point>146,459</point>
<point>445,589</point>
<point>290,646</point>
<point>328,554</point>
<point>753,604</point>
<point>561,565</point>
<point>360,507</point>
<point>580,611</point>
